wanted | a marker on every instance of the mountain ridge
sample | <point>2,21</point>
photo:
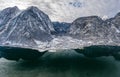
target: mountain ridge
<point>33,28</point>
<point>27,27</point>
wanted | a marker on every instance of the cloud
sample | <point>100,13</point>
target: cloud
<point>61,10</point>
<point>22,4</point>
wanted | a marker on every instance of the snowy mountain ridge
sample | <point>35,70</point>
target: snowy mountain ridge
<point>32,28</point>
<point>25,28</point>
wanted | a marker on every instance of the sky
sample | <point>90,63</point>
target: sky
<point>68,10</point>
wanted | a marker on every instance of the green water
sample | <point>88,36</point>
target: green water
<point>61,64</point>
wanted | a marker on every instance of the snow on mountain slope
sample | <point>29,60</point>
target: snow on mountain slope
<point>88,26</point>
<point>32,28</point>
<point>6,15</point>
<point>69,10</point>
<point>96,30</point>
<point>27,29</point>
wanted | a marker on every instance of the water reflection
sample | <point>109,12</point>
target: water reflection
<point>61,64</point>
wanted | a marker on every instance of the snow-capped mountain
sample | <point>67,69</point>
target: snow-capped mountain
<point>94,29</point>
<point>6,15</point>
<point>115,21</point>
<point>32,28</point>
<point>114,25</point>
<point>28,28</point>
<point>86,26</point>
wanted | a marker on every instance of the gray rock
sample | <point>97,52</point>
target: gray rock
<point>6,15</point>
<point>94,28</point>
<point>26,28</point>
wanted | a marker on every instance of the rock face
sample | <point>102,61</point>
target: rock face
<point>32,28</point>
<point>114,28</point>
<point>27,28</point>
<point>61,27</point>
<point>6,15</point>
<point>86,25</point>
<point>94,28</point>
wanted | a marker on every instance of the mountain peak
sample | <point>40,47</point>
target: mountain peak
<point>86,26</point>
<point>90,18</point>
<point>117,15</point>
<point>6,15</point>
<point>29,27</point>
<point>15,7</point>
<point>10,10</point>
<point>33,9</point>
<point>34,14</point>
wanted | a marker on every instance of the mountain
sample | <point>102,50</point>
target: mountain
<point>115,20</point>
<point>6,15</point>
<point>94,28</point>
<point>61,27</point>
<point>32,28</point>
<point>87,26</point>
<point>29,28</point>
<point>114,25</point>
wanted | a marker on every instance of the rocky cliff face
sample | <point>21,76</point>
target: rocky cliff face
<point>32,28</point>
<point>6,15</point>
<point>27,28</point>
<point>86,25</point>
<point>94,28</point>
<point>61,28</point>
<point>114,25</point>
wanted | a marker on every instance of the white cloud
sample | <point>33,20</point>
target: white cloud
<point>61,10</point>
<point>22,4</point>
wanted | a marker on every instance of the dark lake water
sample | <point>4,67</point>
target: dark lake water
<point>61,64</point>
